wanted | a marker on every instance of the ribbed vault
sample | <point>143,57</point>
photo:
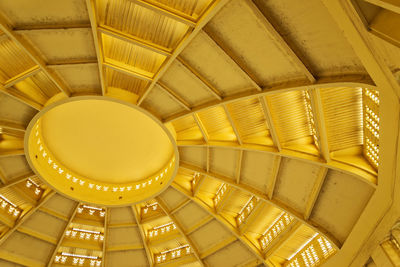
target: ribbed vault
<point>283,113</point>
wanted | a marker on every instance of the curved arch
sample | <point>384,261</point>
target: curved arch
<point>262,196</point>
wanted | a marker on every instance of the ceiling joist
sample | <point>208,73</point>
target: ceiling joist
<point>316,104</point>
<point>173,14</point>
<point>232,60</point>
<point>22,76</point>
<point>180,229</point>
<point>222,220</point>
<point>204,19</point>
<point>342,81</point>
<point>366,176</point>
<point>149,254</point>
<point>263,197</point>
<point>91,8</point>
<point>197,76</point>
<point>24,217</point>
<point>133,40</point>
<point>271,126</point>
<point>174,96</point>
<point>280,42</point>
<point>35,58</point>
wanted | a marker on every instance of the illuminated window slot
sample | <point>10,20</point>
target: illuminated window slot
<point>172,254</point>
<point>151,207</point>
<point>371,126</point>
<point>93,211</point>
<point>246,210</point>
<point>312,253</point>
<point>161,230</point>
<point>32,185</point>
<point>83,234</point>
<point>311,119</point>
<point>9,207</point>
<point>77,259</point>
<point>277,227</point>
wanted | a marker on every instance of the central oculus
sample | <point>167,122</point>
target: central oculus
<point>101,150</point>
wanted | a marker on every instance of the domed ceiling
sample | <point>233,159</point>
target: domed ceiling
<point>279,115</point>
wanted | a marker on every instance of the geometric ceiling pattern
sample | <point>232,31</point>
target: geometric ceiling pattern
<point>281,113</point>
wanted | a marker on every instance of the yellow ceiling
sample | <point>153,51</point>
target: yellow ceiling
<point>279,108</point>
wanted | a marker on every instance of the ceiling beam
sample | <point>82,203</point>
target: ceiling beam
<point>263,197</point>
<point>143,236</point>
<point>201,127</point>
<point>199,224</point>
<point>122,225</point>
<point>392,5</point>
<point>202,21</point>
<point>353,28</point>
<point>197,76</point>
<point>91,7</point>
<point>274,176</point>
<point>252,216</point>
<point>231,58</point>
<point>19,259</point>
<point>104,248</point>
<point>72,63</point>
<point>35,234</point>
<point>384,25</point>
<point>315,191</point>
<point>180,206</point>
<point>22,76</point>
<point>24,217</point>
<point>180,229</point>
<point>222,220</point>
<point>238,166</point>
<point>134,72</point>
<point>216,247</point>
<point>40,27</point>
<point>21,98</point>
<point>12,126</point>
<point>339,81</point>
<point>281,239</point>
<point>53,255</point>
<point>367,176</point>
<point>280,42</point>
<point>23,45</point>
<point>125,247</point>
<point>178,99</point>
<point>271,126</point>
<point>233,125</point>
<point>171,13</point>
<point>208,159</point>
<point>15,181</point>
<point>197,186</point>
<point>54,213</point>
<point>316,104</point>
<point>133,40</point>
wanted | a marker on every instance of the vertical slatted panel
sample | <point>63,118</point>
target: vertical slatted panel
<point>187,129</point>
<point>217,124</point>
<point>343,117</point>
<point>289,115</point>
<point>193,8</point>
<point>131,55</point>
<point>126,82</point>
<point>250,121</point>
<point>146,24</point>
<point>13,60</point>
